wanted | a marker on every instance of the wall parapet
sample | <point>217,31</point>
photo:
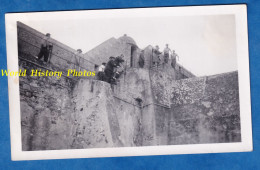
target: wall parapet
<point>29,42</point>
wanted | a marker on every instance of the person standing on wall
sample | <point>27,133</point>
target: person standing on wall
<point>101,70</point>
<point>77,59</point>
<point>46,48</point>
<point>174,57</point>
<point>166,53</point>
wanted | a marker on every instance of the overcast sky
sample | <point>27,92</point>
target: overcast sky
<point>206,45</point>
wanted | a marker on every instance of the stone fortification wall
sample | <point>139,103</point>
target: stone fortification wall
<point>134,92</point>
<point>46,110</point>
<point>93,111</point>
<point>147,106</point>
<point>46,105</point>
<point>90,114</point>
<point>63,57</point>
<point>106,116</point>
<point>207,109</point>
<point>202,110</point>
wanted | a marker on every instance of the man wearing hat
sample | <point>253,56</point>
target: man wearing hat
<point>78,56</point>
<point>46,48</point>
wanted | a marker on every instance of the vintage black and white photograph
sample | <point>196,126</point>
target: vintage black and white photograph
<point>131,81</point>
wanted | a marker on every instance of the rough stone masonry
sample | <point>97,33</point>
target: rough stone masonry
<point>149,106</point>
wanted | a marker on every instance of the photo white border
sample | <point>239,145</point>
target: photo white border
<point>240,12</point>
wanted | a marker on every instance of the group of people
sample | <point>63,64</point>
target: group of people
<point>106,72</point>
<point>109,71</point>
<point>46,51</point>
<point>168,55</point>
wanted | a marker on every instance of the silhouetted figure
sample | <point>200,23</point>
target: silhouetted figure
<point>77,59</point>
<point>46,48</point>
<point>166,53</point>
<point>174,57</point>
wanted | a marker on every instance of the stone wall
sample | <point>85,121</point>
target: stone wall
<point>161,82</point>
<point>93,111</point>
<point>86,113</point>
<point>46,110</point>
<point>202,110</point>
<point>62,114</point>
<point>46,105</point>
<point>91,114</point>
<point>108,117</point>
<point>207,109</point>
<point>148,106</point>
<point>135,96</point>
<point>182,73</point>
